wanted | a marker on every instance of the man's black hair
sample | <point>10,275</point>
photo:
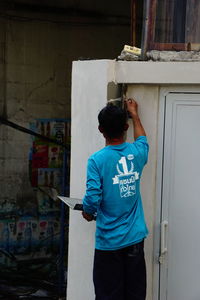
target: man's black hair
<point>112,119</point>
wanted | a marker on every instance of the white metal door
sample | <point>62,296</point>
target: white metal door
<point>180,230</point>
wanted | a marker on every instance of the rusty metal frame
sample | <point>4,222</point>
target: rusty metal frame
<point>174,46</point>
<point>169,46</point>
<point>149,15</point>
<point>133,22</point>
<point>151,22</point>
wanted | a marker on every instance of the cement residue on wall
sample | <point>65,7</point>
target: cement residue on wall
<point>163,56</point>
<point>166,56</point>
<point>128,56</point>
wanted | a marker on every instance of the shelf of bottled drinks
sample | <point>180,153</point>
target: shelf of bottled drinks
<point>34,236</point>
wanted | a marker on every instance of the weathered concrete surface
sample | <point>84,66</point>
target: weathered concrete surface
<point>156,55</point>
<point>35,81</point>
<point>164,56</point>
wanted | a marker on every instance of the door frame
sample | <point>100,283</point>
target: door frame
<point>164,92</point>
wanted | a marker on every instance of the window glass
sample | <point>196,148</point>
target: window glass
<point>177,21</point>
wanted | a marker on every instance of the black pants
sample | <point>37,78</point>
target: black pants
<point>120,274</point>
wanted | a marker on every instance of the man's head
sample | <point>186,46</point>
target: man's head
<point>112,121</point>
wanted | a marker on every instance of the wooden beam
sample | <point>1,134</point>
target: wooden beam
<point>133,22</point>
<point>149,25</point>
<point>175,46</point>
<point>168,46</point>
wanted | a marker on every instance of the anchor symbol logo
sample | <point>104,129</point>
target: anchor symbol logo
<point>125,171</point>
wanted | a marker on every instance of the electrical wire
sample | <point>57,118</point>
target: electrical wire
<point>30,132</point>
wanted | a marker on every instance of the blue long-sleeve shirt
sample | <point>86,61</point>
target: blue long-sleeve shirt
<point>113,192</point>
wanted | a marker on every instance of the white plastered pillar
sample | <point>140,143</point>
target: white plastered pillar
<point>89,96</point>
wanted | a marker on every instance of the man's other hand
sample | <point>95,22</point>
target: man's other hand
<point>87,216</point>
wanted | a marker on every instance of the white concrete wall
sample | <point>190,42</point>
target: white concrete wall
<point>85,140</point>
<point>149,72</point>
<point>89,95</point>
<point>147,97</point>
<point>145,80</point>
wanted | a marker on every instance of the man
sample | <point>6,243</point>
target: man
<point>113,193</point>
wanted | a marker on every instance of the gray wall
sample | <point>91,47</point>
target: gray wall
<point>36,53</point>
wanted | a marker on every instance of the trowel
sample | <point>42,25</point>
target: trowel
<point>73,203</point>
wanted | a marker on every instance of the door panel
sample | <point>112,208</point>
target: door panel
<point>180,268</point>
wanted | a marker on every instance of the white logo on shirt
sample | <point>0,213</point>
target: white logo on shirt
<point>126,177</point>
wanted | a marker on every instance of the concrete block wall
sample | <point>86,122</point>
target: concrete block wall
<point>35,78</point>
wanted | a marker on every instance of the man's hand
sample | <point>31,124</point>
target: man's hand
<point>87,217</point>
<point>132,107</point>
